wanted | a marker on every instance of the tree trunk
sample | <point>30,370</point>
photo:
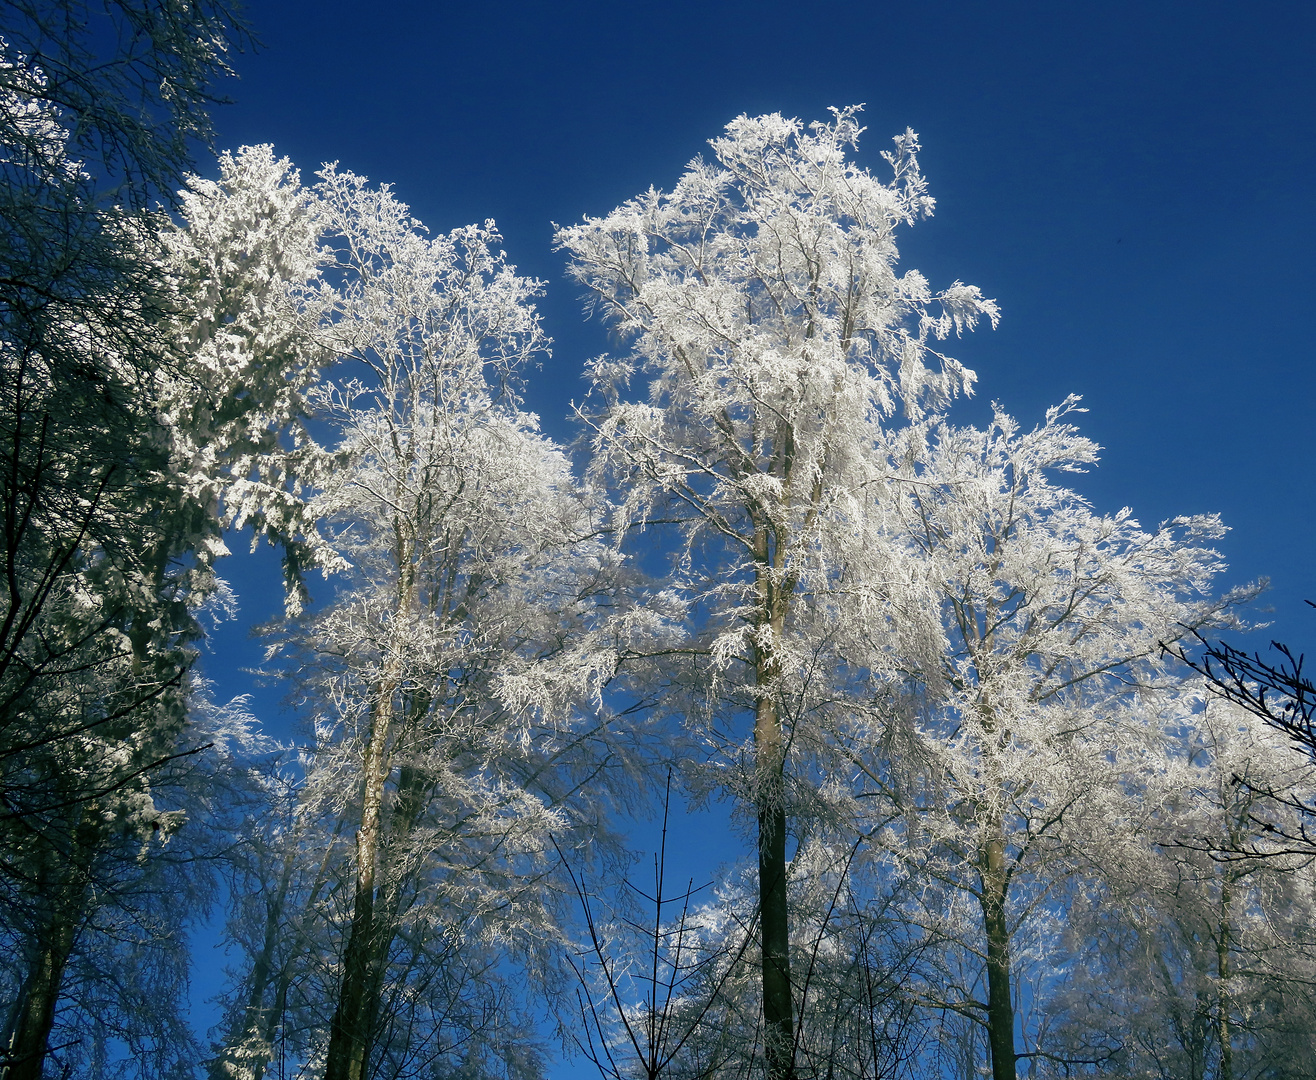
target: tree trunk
<point>778,1008</point>
<point>65,894</point>
<point>35,1009</point>
<point>239,1052</point>
<point>350,1032</point>
<point>374,921</point>
<point>1000,1009</point>
<point>770,765</point>
<point>1223,1030</point>
<point>412,800</point>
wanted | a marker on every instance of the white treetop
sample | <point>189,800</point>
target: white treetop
<point>246,267</point>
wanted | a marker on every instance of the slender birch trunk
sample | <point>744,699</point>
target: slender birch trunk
<point>378,889</point>
<point>350,1031</point>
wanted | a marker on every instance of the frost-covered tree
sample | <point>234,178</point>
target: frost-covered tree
<point>81,458</point>
<point>245,272</point>
<point>131,427</point>
<point>1193,957</point>
<point>1054,617</point>
<point>86,98</point>
<point>91,669</point>
<point>93,606</point>
<point>776,344</point>
<point>443,672</point>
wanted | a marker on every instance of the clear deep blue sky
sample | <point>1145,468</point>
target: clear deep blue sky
<point>1133,182</point>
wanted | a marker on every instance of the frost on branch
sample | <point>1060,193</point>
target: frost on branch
<point>246,266</point>
<point>454,674</point>
<point>762,304</point>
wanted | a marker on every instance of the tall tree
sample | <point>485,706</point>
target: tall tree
<point>90,672</point>
<point>126,428</point>
<point>448,660</point>
<point>1053,619</point>
<point>86,98</point>
<point>778,343</point>
<point>92,615</point>
<point>443,671</point>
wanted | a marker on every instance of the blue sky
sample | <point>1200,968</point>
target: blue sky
<point>1132,182</point>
